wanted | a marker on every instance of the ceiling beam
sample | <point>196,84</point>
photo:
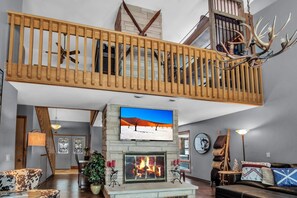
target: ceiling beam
<point>93,116</point>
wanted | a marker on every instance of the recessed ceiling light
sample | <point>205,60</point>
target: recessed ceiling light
<point>137,96</point>
<point>171,100</point>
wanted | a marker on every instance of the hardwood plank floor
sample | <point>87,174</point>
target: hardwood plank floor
<point>68,186</point>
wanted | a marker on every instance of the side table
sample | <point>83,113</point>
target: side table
<point>223,174</point>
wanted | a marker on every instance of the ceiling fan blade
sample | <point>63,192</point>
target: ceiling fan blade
<point>74,52</point>
<point>73,60</point>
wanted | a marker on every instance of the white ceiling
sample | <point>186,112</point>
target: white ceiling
<point>179,16</point>
<point>189,110</point>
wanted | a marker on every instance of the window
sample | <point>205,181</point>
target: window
<point>184,150</point>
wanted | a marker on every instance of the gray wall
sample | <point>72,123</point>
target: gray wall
<point>273,127</point>
<point>96,139</point>
<point>74,129</point>
<point>9,100</point>
<point>34,158</point>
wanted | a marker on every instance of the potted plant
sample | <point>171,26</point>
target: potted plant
<point>87,153</point>
<point>95,171</point>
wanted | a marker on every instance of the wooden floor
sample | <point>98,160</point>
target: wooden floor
<point>67,184</point>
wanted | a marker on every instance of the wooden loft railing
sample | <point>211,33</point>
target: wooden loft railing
<point>158,67</point>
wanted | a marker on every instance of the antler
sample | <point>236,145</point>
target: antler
<point>256,59</point>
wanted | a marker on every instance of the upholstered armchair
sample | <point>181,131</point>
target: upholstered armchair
<point>24,180</point>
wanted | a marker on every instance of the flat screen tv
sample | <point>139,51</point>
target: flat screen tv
<point>146,124</point>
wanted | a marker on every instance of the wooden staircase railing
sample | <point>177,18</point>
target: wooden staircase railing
<point>45,126</point>
<point>131,63</point>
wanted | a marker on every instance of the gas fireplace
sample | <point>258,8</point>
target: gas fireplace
<point>144,167</point>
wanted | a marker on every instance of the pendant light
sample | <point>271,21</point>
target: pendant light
<point>56,126</point>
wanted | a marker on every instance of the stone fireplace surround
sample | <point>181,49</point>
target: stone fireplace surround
<point>114,149</point>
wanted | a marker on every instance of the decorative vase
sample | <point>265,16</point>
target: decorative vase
<point>95,188</point>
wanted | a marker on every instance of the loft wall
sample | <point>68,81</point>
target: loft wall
<point>96,139</point>
<point>273,127</point>
<point>9,98</point>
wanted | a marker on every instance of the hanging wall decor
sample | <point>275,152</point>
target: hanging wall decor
<point>63,145</point>
<point>78,145</point>
<point>202,143</point>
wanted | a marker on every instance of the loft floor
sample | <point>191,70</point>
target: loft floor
<point>189,110</point>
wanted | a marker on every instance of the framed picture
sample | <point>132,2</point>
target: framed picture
<point>78,145</point>
<point>63,145</point>
<point>1,89</point>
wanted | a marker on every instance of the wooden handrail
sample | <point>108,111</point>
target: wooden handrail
<point>117,61</point>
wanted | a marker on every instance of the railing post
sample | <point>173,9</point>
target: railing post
<point>11,44</point>
<point>31,44</point>
<point>21,45</point>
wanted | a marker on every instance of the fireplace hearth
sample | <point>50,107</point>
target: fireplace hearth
<point>144,167</point>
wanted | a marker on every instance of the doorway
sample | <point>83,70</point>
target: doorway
<point>20,142</point>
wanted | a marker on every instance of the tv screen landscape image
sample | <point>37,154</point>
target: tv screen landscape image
<point>146,124</point>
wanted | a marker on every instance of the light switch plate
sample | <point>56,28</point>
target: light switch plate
<point>268,154</point>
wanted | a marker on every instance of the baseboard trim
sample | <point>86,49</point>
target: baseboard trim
<point>198,179</point>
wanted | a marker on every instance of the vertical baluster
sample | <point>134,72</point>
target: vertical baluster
<point>256,77</point>
<point>166,67</point>
<point>153,66</point>
<point>252,83</point>
<point>67,54</point>
<point>228,82</point>
<point>223,79</point>
<point>196,72</point>
<point>109,60</point>
<point>218,80</point>
<point>238,83</point>
<point>246,66</point>
<point>190,70</point>
<point>261,84</point>
<point>172,68</point>
<point>242,81</point>
<point>145,65</point>
<point>124,61</point>
<point>207,73</point>
<point>159,66</point>
<point>202,72</point>
<point>11,44</point>
<point>233,81</point>
<point>85,55</point>
<point>178,69</point>
<point>31,46</point>
<point>131,63</point>
<point>21,44</point>
<point>76,54</point>
<point>117,60</point>
<point>49,55</point>
<point>184,71</point>
<point>40,50</point>
<point>138,64</point>
<point>213,86</point>
<point>101,58</point>
<point>93,57</point>
<point>59,52</point>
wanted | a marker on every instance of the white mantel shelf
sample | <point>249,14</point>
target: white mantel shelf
<point>150,190</point>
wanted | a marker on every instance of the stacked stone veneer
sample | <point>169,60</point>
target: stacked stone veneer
<point>124,24</point>
<point>142,16</point>
<point>113,148</point>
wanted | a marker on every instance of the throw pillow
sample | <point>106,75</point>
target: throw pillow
<point>217,165</point>
<point>255,164</point>
<point>268,178</point>
<point>220,142</point>
<point>251,174</point>
<point>218,152</point>
<point>285,176</point>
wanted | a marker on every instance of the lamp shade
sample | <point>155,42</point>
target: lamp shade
<point>242,131</point>
<point>36,139</point>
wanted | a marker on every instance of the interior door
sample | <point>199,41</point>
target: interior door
<point>20,142</point>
